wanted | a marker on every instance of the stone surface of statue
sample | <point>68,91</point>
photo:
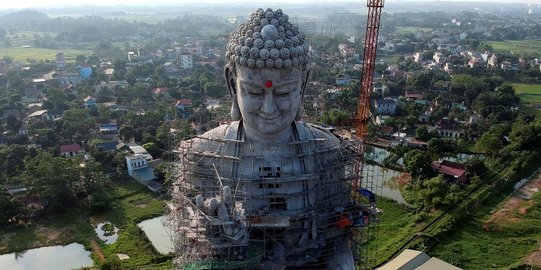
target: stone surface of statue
<point>266,191</point>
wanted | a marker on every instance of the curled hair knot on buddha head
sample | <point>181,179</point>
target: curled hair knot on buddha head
<point>267,40</point>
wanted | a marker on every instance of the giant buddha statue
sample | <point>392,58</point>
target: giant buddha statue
<point>267,190</point>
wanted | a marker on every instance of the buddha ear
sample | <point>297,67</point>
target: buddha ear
<point>304,78</point>
<point>231,78</point>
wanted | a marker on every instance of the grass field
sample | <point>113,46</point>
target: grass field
<point>397,223</point>
<point>24,54</point>
<point>503,248</point>
<point>517,46</point>
<point>528,93</point>
<point>130,204</point>
<point>412,29</point>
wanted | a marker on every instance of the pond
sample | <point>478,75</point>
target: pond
<point>72,256</point>
<point>106,232</point>
<point>463,157</point>
<point>158,234</point>
<point>382,183</point>
<point>376,154</point>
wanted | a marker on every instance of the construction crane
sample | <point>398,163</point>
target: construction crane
<point>362,118</point>
<point>369,62</point>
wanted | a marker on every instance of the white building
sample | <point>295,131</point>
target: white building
<point>186,61</point>
<point>60,61</point>
<point>385,106</point>
<point>438,57</point>
<point>417,57</point>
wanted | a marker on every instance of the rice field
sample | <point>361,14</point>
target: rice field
<point>528,93</point>
<point>26,54</point>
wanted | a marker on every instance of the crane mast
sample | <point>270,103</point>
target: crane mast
<point>369,62</point>
<point>361,119</point>
<point>362,115</point>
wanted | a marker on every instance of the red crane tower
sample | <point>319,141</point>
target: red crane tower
<point>362,115</point>
<point>369,62</point>
<point>362,118</point>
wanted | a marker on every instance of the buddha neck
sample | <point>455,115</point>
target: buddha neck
<point>257,137</point>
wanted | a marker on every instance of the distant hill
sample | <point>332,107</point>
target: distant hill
<point>22,19</point>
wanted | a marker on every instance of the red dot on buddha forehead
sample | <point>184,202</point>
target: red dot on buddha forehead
<point>268,84</point>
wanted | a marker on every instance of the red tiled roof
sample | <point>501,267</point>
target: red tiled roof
<point>70,148</point>
<point>417,142</point>
<point>449,168</point>
<point>414,95</point>
<point>387,130</point>
<point>160,90</point>
<point>184,102</point>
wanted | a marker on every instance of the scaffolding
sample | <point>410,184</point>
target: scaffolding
<point>237,204</point>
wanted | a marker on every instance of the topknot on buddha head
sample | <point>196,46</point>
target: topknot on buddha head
<point>267,40</point>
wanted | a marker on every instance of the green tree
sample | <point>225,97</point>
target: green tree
<point>9,208</point>
<point>153,149</point>
<point>77,125</point>
<point>434,192</point>
<point>57,98</point>
<point>489,144</point>
<point>422,134</point>
<point>417,163</point>
<point>334,117</point>
<point>53,179</point>
<point>214,89</point>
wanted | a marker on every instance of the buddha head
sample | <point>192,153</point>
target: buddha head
<point>266,72</point>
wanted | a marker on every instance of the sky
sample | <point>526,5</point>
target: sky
<point>58,3</point>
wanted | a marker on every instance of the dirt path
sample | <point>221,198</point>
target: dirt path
<point>534,258</point>
<point>511,212</point>
<point>517,205</point>
<point>97,250</point>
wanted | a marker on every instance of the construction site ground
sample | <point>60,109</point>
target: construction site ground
<point>504,235</point>
<point>516,209</point>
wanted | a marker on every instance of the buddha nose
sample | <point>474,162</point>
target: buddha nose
<point>269,105</point>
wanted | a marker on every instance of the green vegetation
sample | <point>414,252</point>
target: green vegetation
<point>521,47</point>
<point>69,228</point>
<point>397,223</point>
<point>498,246</point>
<point>37,54</point>
<point>528,93</point>
<point>412,29</point>
<point>133,241</point>
<point>130,203</point>
<point>133,204</point>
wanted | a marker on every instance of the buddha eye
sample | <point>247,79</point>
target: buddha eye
<point>256,93</point>
<point>282,94</point>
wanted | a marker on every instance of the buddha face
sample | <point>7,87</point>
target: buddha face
<point>268,99</point>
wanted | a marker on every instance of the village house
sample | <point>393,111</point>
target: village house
<point>453,171</point>
<point>438,57</point>
<point>46,115</point>
<point>182,105</point>
<point>186,61</point>
<point>385,106</point>
<point>413,95</point>
<point>67,78</point>
<point>108,128</point>
<point>160,92</point>
<point>447,128</point>
<point>135,149</point>
<point>170,68</point>
<point>89,102</point>
<point>71,150</point>
<point>106,146</point>
<point>342,80</point>
<point>139,169</point>
<point>380,88</point>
